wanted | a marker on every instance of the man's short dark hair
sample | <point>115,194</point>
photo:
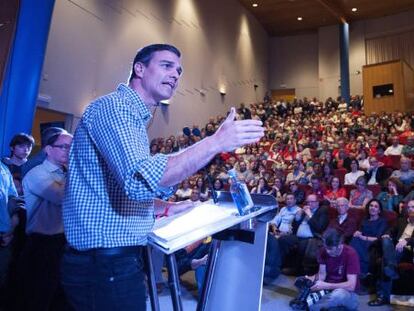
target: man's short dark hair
<point>50,135</point>
<point>145,54</point>
<point>22,139</point>
<point>332,238</point>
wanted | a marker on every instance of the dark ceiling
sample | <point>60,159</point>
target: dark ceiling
<point>279,17</point>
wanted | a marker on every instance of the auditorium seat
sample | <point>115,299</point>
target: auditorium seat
<point>340,173</point>
<point>395,161</point>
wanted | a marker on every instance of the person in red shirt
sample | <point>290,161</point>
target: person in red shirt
<point>381,157</point>
<point>338,274</point>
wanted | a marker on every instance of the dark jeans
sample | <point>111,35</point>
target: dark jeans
<point>273,260</point>
<point>39,273</point>
<point>94,281</point>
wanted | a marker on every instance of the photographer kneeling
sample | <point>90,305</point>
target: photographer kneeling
<point>334,285</point>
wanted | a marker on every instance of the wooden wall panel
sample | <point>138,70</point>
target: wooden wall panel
<point>408,75</point>
<point>283,94</point>
<point>386,73</point>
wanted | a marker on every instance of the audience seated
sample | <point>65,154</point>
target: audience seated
<point>310,148</point>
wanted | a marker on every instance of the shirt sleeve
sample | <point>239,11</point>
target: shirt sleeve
<point>121,137</point>
<point>43,186</point>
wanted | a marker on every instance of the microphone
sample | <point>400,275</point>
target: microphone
<point>211,188</point>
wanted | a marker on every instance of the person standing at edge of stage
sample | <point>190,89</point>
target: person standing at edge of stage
<point>113,180</point>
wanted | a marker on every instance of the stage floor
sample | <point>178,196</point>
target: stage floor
<point>275,296</point>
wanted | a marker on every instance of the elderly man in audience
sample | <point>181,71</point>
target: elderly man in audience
<point>377,173</point>
<point>309,224</point>
<point>405,174</point>
<point>44,187</point>
<point>408,149</point>
<point>343,223</point>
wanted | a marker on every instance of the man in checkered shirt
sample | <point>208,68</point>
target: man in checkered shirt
<point>113,181</point>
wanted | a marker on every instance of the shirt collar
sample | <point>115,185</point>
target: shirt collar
<point>136,99</point>
<point>50,167</point>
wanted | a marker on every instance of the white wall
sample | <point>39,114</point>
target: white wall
<point>293,67</point>
<point>92,43</point>
<point>294,64</point>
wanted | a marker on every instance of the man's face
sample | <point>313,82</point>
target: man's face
<point>315,183</point>
<point>405,164</point>
<point>342,207</point>
<point>160,78</point>
<point>195,195</point>
<point>21,151</point>
<point>334,251</point>
<point>373,162</point>
<point>58,153</point>
<point>290,200</point>
<point>243,166</point>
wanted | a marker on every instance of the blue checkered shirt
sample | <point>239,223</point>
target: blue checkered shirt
<point>112,178</point>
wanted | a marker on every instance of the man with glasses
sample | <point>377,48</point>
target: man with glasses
<point>309,224</point>
<point>377,173</point>
<point>397,246</point>
<point>44,187</point>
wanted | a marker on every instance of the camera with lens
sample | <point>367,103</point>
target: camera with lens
<point>305,297</point>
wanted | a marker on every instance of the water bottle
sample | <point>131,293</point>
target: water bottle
<point>240,193</point>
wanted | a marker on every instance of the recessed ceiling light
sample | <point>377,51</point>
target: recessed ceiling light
<point>299,18</point>
<point>255,5</point>
<point>354,9</point>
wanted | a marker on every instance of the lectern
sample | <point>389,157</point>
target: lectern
<point>235,265</point>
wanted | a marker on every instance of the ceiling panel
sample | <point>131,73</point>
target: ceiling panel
<point>279,17</point>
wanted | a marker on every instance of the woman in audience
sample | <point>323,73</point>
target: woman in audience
<point>392,197</point>
<point>372,228</point>
<point>335,190</point>
<point>359,197</point>
<point>329,159</point>
<point>218,185</point>
<point>278,190</point>
<point>262,187</point>
<point>363,161</point>
<point>327,174</point>
<point>201,185</point>
<point>303,154</point>
<point>352,176</point>
<point>184,192</point>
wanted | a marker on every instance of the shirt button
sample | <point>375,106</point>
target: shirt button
<point>111,279</point>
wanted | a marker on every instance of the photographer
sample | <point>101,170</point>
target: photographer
<point>337,279</point>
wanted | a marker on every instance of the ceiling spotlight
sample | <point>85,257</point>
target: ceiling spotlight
<point>299,18</point>
<point>255,5</point>
<point>354,9</point>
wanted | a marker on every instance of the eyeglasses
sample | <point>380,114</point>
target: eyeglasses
<point>63,147</point>
<point>311,201</point>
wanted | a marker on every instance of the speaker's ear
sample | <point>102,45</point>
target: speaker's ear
<point>139,69</point>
